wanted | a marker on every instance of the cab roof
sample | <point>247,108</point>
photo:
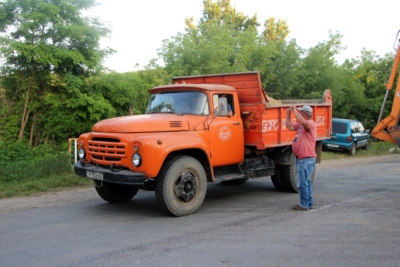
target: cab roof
<point>183,87</point>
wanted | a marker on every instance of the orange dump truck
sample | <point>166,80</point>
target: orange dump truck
<point>199,129</point>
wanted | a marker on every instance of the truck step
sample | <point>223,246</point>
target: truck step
<point>226,173</point>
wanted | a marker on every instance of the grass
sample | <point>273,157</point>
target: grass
<point>29,177</point>
<point>36,184</point>
<point>42,185</point>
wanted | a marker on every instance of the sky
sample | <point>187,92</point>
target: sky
<point>138,27</point>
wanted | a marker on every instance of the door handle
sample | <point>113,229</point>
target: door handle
<point>236,123</point>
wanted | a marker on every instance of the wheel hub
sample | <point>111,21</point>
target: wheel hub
<point>186,187</point>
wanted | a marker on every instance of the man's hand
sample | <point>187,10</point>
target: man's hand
<point>289,124</point>
<point>299,117</point>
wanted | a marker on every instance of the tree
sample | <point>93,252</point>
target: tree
<point>222,41</point>
<point>222,12</point>
<point>124,91</point>
<point>319,70</point>
<point>370,72</point>
<point>275,31</point>
<point>43,43</point>
<point>279,63</point>
<point>225,40</point>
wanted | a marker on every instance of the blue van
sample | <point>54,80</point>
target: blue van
<point>347,135</point>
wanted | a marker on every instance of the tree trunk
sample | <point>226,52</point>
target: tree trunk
<point>32,130</point>
<point>25,115</point>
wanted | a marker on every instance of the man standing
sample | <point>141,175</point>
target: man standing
<point>303,148</point>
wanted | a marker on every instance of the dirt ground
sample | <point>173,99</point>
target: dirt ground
<point>74,195</point>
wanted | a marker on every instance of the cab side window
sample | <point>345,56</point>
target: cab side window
<point>223,105</point>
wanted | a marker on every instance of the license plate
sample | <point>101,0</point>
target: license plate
<point>332,145</point>
<point>94,175</point>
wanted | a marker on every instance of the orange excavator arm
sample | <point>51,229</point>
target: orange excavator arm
<point>388,129</point>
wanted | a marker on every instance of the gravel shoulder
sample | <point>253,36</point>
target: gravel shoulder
<point>68,196</point>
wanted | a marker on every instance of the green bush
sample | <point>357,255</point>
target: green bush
<point>11,151</point>
<point>20,170</point>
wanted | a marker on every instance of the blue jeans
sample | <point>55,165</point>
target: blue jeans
<point>305,168</point>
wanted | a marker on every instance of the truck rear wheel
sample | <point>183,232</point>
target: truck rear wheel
<point>277,178</point>
<point>289,176</point>
<point>116,193</point>
<point>181,186</point>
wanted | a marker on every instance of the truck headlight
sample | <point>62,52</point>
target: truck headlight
<point>136,159</point>
<point>81,153</point>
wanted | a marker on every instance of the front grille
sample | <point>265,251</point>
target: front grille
<point>110,150</point>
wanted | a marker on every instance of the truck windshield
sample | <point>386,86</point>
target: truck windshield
<point>183,102</point>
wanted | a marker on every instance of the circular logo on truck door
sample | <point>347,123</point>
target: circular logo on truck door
<point>224,133</point>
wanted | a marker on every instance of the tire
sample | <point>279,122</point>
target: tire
<point>181,186</point>
<point>367,146</point>
<point>289,176</point>
<point>235,182</point>
<point>116,193</point>
<point>352,150</point>
<point>277,178</point>
<point>289,180</point>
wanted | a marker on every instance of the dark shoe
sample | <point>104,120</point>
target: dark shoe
<point>311,207</point>
<point>298,207</point>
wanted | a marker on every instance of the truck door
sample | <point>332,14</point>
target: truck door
<point>226,131</point>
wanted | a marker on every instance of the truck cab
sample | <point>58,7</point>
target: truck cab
<point>205,108</point>
<point>182,123</point>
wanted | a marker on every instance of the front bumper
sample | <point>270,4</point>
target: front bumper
<point>111,176</point>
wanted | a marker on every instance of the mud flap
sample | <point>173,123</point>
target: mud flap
<point>318,151</point>
<point>394,132</point>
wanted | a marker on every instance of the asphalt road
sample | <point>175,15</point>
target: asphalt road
<point>355,223</point>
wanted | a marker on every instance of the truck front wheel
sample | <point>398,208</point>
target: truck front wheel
<point>181,186</point>
<point>116,193</point>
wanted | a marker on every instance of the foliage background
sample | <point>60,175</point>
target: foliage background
<point>53,85</point>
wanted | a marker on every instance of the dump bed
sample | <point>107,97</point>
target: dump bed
<point>264,118</point>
